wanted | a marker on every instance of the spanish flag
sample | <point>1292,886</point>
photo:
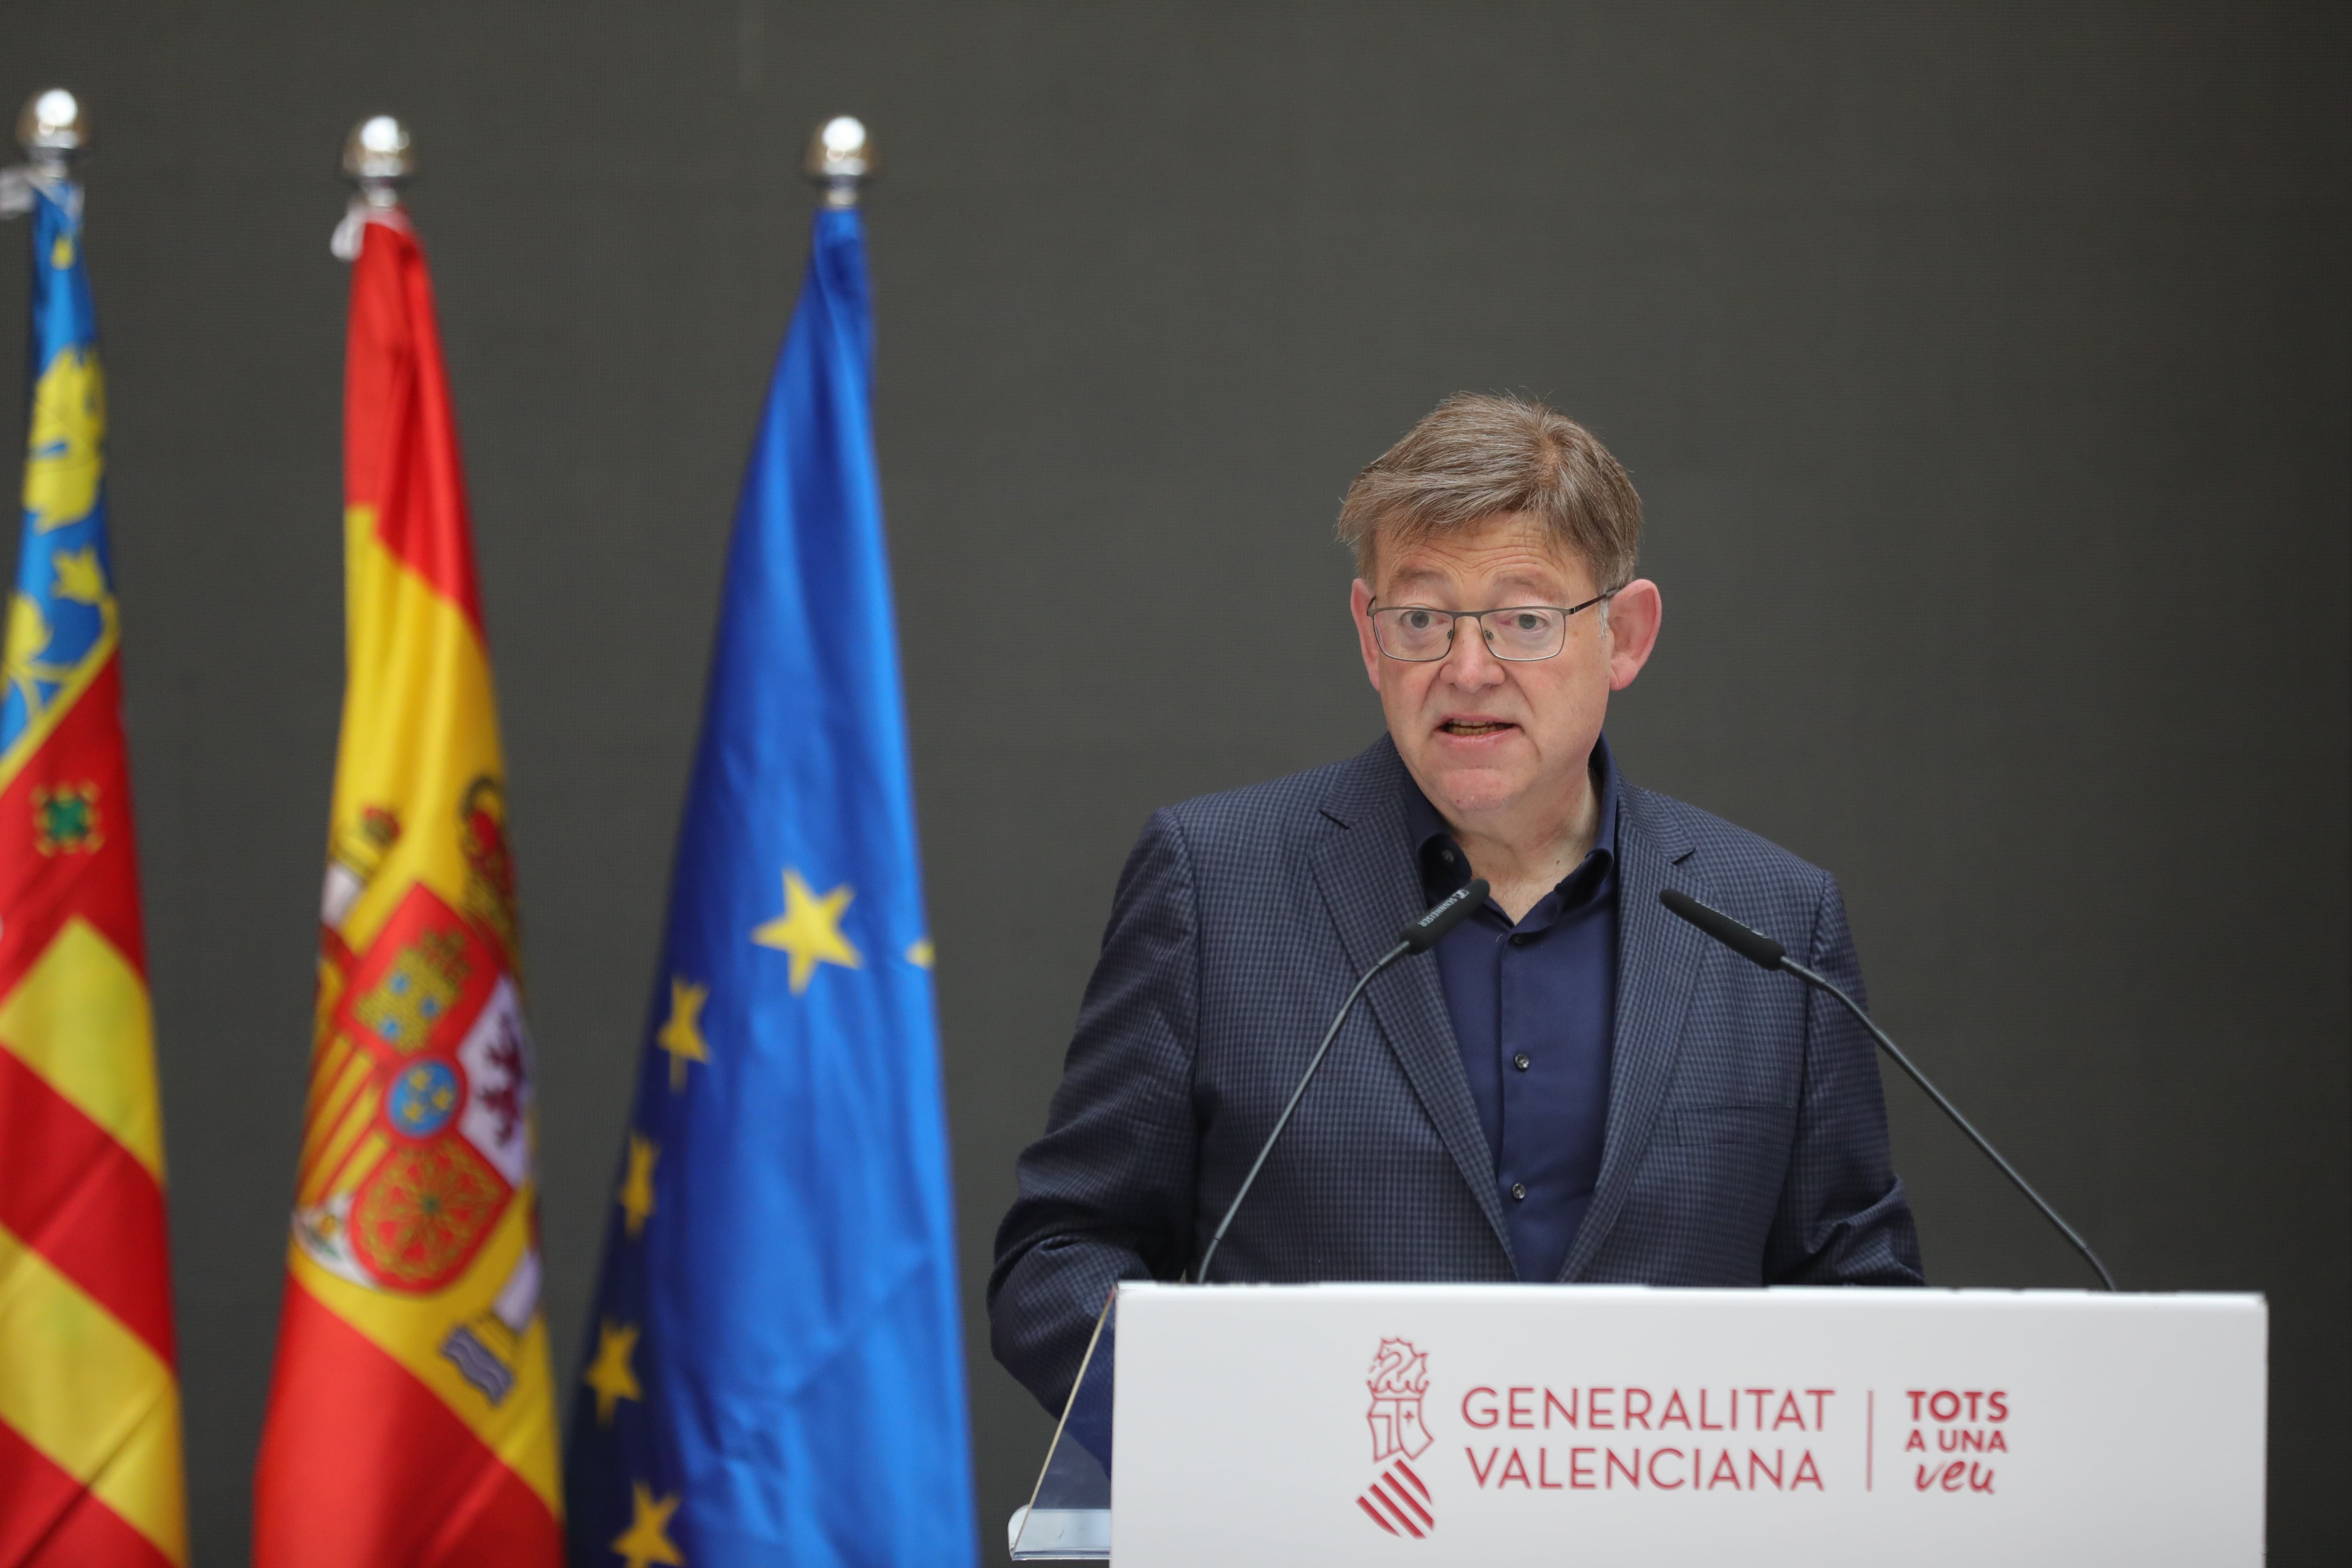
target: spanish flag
<point>89,1397</point>
<point>411,1418</point>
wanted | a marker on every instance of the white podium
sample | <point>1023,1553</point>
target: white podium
<point>1431,1423</point>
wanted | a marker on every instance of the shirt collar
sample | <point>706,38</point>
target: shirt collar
<point>1432,838</point>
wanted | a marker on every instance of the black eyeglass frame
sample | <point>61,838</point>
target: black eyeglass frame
<point>1455,618</point>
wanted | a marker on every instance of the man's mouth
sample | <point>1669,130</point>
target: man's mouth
<point>1474,728</point>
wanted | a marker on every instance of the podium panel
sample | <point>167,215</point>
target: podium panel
<point>1460,1424</point>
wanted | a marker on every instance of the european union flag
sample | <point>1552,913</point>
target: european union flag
<point>775,1369</point>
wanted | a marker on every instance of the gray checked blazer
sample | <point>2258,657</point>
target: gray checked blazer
<point>1746,1143</point>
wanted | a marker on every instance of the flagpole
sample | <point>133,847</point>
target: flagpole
<point>794,979</point>
<point>378,158</point>
<point>841,160</point>
<point>52,133</point>
<point>88,1336</point>
<point>411,1410</point>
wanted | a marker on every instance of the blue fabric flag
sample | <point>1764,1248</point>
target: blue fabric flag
<point>773,1373</point>
<point>61,622</point>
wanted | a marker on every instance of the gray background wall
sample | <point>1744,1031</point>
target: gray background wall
<point>1984,368</point>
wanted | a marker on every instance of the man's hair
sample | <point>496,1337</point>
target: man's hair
<point>1474,456</point>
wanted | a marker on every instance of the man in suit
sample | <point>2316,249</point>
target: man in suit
<point>1576,1086</point>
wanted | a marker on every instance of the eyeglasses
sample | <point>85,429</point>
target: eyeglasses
<point>1417,633</point>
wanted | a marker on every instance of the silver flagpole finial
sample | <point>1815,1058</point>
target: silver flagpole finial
<point>379,159</point>
<point>841,159</point>
<point>52,131</point>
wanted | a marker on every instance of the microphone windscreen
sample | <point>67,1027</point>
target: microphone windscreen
<point>1750,944</point>
<point>1442,917</point>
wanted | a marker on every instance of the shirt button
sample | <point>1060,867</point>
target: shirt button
<point>1447,856</point>
<point>1521,939</point>
<point>1520,1191</point>
<point>1521,1061</point>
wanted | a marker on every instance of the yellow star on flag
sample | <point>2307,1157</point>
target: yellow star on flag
<point>637,1186</point>
<point>646,1541</point>
<point>681,1035</point>
<point>810,930</point>
<point>919,953</point>
<point>610,1373</point>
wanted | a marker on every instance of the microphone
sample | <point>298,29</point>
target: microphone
<point>1765,953</point>
<point>1417,937</point>
<point>1436,925</point>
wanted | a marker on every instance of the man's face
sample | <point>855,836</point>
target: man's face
<point>1488,738</point>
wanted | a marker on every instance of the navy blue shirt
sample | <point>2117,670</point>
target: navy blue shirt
<point>1532,1005</point>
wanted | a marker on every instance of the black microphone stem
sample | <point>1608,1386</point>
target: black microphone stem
<point>1200,1275</point>
<point>1821,983</point>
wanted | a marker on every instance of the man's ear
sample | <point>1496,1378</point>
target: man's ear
<point>1633,617</point>
<point>1359,605</point>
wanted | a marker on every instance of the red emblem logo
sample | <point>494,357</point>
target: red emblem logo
<point>1398,1501</point>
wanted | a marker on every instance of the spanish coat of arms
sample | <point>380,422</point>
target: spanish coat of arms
<point>420,1126</point>
<point>437,1077</point>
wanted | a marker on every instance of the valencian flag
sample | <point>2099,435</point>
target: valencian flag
<point>775,1368</point>
<point>410,1416</point>
<point>89,1397</point>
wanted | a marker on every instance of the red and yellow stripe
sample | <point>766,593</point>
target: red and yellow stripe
<point>90,1398</point>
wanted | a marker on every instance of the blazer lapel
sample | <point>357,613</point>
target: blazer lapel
<point>1658,959</point>
<point>1371,884</point>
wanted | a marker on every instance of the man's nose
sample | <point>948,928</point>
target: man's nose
<point>1468,663</point>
